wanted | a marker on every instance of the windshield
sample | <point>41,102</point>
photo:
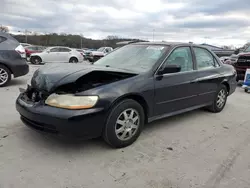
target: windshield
<point>137,58</point>
<point>247,49</point>
<point>101,49</point>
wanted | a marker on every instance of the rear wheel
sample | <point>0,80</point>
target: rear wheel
<point>5,75</point>
<point>73,60</point>
<point>220,100</point>
<point>124,124</point>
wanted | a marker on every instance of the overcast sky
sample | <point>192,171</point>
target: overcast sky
<point>220,22</point>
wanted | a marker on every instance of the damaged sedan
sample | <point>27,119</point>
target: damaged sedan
<point>118,94</point>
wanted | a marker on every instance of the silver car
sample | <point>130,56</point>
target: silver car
<point>56,54</point>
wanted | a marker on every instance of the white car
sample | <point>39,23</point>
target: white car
<point>56,54</point>
<point>93,56</point>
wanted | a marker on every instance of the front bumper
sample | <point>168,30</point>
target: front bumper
<point>85,124</point>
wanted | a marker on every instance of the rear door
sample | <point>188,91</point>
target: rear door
<point>177,91</point>
<point>209,76</point>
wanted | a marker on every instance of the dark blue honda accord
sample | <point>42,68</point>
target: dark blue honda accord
<point>118,94</point>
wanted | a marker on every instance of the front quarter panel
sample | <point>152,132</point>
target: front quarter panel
<point>139,85</point>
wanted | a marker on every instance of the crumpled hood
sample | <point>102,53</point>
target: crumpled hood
<point>50,76</point>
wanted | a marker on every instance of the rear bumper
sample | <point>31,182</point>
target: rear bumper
<point>70,123</point>
<point>20,68</point>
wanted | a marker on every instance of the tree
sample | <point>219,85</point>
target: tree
<point>4,29</point>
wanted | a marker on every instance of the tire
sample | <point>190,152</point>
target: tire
<point>217,106</point>
<point>5,76</point>
<point>246,90</point>
<point>125,132</point>
<point>73,60</point>
<point>36,60</point>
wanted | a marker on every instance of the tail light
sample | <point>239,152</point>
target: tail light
<point>20,49</point>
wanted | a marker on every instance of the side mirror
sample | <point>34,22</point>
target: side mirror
<point>169,69</point>
<point>48,51</point>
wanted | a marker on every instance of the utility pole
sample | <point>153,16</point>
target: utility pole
<point>81,39</point>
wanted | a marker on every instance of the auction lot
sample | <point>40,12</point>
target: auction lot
<point>196,149</point>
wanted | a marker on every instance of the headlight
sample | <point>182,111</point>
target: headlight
<point>71,101</point>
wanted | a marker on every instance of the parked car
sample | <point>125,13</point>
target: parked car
<point>224,58</point>
<point>82,52</point>
<point>134,85</point>
<point>33,49</point>
<point>56,54</point>
<point>93,56</point>
<point>25,44</point>
<point>12,59</point>
<point>241,62</point>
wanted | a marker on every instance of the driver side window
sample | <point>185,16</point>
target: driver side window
<point>182,57</point>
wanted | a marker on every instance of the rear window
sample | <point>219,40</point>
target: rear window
<point>2,39</point>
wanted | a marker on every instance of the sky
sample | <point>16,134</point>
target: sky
<point>217,22</point>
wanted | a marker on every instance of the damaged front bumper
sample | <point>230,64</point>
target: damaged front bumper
<point>87,123</point>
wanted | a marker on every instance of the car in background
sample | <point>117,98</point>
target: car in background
<point>241,62</point>
<point>82,52</point>
<point>56,54</point>
<point>12,59</point>
<point>33,49</point>
<point>25,44</point>
<point>224,58</point>
<point>93,56</point>
<point>136,84</point>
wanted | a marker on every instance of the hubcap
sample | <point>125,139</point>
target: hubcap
<point>3,76</point>
<point>221,98</point>
<point>37,61</point>
<point>127,124</point>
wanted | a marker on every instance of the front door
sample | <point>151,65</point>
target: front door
<point>51,56</point>
<point>177,91</point>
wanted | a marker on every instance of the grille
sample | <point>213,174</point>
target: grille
<point>244,61</point>
<point>39,126</point>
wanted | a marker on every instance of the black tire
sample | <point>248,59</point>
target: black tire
<point>73,60</point>
<point>109,132</point>
<point>215,108</point>
<point>246,90</point>
<point>36,60</point>
<point>4,72</point>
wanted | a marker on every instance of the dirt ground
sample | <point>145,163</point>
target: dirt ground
<point>196,149</point>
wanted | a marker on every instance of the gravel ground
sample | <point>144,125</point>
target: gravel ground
<point>196,149</point>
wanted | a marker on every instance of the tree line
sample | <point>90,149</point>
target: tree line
<point>69,40</point>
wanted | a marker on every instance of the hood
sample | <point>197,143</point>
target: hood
<point>244,53</point>
<point>37,53</point>
<point>51,76</point>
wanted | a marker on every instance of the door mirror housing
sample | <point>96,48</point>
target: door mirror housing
<point>48,51</point>
<point>169,69</point>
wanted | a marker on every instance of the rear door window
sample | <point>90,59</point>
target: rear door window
<point>204,59</point>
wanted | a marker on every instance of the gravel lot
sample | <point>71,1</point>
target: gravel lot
<point>196,149</point>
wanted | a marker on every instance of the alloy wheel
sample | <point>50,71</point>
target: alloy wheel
<point>221,99</point>
<point>3,76</point>
<point>127,124</point>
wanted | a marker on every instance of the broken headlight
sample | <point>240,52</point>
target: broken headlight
<point>71,101</point>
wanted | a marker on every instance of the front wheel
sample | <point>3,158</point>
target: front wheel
<point>124,124</point>
<point>36,60</point>
<point>220,100</point>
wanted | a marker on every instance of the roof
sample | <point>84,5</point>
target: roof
<point>169,43</point>
<point>212,47</point>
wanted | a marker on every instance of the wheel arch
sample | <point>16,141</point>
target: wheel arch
<point>8,67</point>
<point>138,98</point>
<point>225,83</point>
